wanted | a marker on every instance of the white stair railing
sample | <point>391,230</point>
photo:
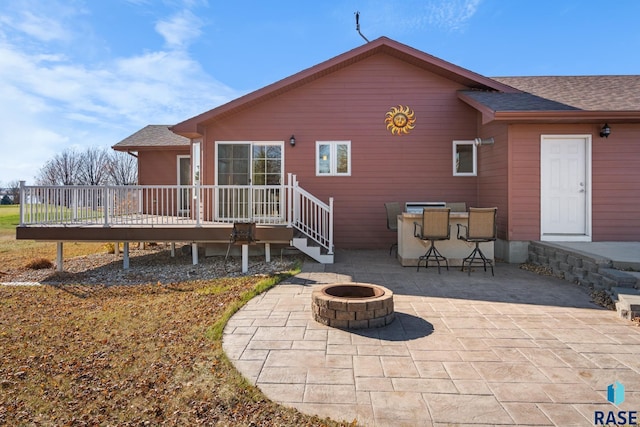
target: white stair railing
<point>311,216</point>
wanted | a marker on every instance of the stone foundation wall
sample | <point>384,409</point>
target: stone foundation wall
<point>584,269</point>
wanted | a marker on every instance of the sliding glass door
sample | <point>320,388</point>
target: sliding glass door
<point>249,175</point>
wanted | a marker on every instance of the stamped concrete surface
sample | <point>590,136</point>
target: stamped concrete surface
<point>514,349</point>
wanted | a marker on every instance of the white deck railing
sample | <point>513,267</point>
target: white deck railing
<point>178,205</point>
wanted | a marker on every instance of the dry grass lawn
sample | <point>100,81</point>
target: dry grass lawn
<point>125,355</point>
<point>16,253</point>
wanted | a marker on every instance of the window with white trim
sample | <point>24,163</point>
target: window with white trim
<point>465,159</point>
<point>333,158</point>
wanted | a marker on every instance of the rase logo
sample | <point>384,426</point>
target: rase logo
<point>615,395</point>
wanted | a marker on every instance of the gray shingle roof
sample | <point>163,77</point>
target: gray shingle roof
<point>498,101</point>
<point>152,136</point>
<point>590,93</point>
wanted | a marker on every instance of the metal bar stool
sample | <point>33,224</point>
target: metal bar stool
<point>435,226</point>
<point>393,210</point>
<point>482,228</point>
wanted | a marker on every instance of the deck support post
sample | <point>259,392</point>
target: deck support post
<point>173,249</point>
<point>116,249</point>
<point>267,252</point>
<point>194,253</point>
<point>59,261</point>
<point>125,256</point>
<point>245,258</point>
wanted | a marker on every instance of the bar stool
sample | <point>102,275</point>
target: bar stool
<point>435,226</point>
<point>393,210</point>
<point>482,228</point>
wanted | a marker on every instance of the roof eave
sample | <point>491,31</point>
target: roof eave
<point>540,116</point>
<point>137,148</point>
<point>187,133</point>
<point>573,116</point>
<point>487,113</point>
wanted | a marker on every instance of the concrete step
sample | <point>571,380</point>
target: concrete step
<point>618,278</point>
<point>628,303</point>
<point>635,274</point>
<point>617,290</point>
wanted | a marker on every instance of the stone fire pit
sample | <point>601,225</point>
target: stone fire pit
<point>353,305</point>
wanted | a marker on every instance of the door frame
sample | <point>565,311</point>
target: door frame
<point>184,194</point>
<point>251,143</point>
<point>587,138</point>
<point>251,188</point>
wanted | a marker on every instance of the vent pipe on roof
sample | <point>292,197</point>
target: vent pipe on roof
<point>358,26</point>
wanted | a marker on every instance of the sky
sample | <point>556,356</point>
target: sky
<point>88,73</point>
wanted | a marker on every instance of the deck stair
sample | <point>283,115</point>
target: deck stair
<point>307,246</point>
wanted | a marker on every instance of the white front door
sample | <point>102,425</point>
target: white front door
<point>565,188</point>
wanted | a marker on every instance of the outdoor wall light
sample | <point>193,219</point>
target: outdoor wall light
<point>292,140</point>
<point>605,131</point>
<point>484,141</point>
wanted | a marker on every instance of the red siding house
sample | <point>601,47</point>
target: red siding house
<point>558,156</point>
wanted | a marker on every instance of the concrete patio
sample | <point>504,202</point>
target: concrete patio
<point>514,349</point>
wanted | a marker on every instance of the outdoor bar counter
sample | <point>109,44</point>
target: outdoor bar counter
<point>410,248</point>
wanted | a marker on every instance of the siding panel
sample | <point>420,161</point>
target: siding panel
<point>615,174</point>
<point>350,104</point>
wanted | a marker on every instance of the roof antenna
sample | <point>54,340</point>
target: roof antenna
<point>358,26</point>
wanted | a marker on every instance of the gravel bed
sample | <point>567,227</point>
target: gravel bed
<point>151,265</point>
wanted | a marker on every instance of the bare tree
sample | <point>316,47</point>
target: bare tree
<point>93,166</point>
<point>61,170</point>
<point>123,169</point>
<point>13,190</point>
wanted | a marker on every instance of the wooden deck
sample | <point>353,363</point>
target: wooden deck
<point>184,213</point>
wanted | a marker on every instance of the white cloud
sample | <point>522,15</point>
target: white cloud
<point>386,18</point>
<point>41,27</point>
<point>52,100</point>
<point>25,142</point>
<point>180,30</point>
<point>451,14</point>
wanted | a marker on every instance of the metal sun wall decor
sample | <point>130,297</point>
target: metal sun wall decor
<point>400,120</point>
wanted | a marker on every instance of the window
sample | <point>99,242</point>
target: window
<point>233,164</point>
<point>464,158</point>
<point>267,164</point>
<point>333,158</point>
